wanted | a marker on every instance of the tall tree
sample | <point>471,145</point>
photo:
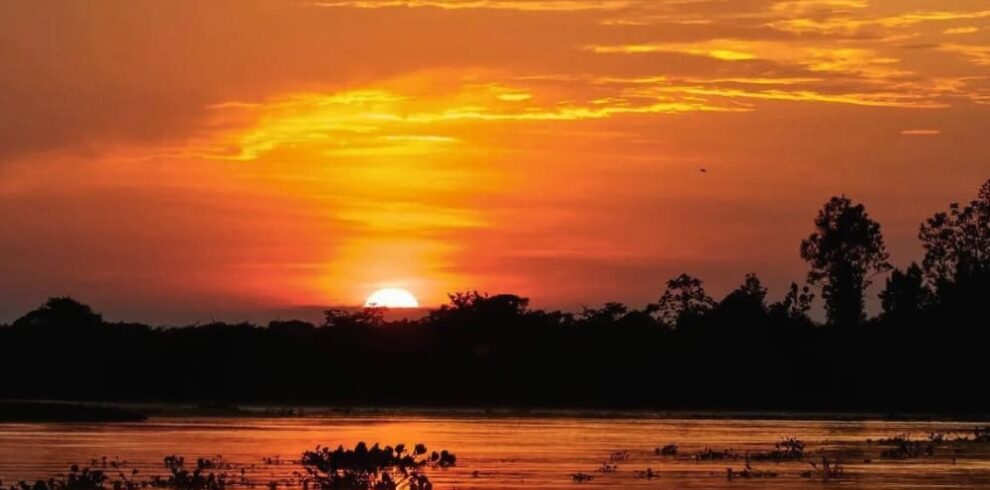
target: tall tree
<point>684,299</point>
<point>846,249</point>
<point>905,297</point>
<point>957,250</point>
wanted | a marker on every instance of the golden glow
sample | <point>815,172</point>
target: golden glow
<point>391,298</point>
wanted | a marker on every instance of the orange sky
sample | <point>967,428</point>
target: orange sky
<point>188,160</point>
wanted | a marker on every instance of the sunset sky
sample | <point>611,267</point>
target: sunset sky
<point>192,160</point>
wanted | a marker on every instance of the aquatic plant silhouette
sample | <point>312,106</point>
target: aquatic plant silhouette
<point>77,479</point>
<point>668,450</point>
<point>906,448</point>
<point>375,468</point>
<point>981,434</point>
<point>828,470</point>
<point>581,477</point>
<point>789,449</point>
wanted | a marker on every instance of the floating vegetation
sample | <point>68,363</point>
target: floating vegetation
<point>197,479</point>
<point>827,471</point>
<point>77,479</point>
<point>214,463</point>
<point>668,450</point>
<point>905,448</point>
<point>980,435</point>
<point>789,449</point>
<point>174,461</point>
<point>619,456</point>
<point>105,462</point>
<point>709,454</point>
<point>372,468</point>
<point>748,472</point>
<point>361,468</point>
<point>581,477</point>
<point>443,459</point>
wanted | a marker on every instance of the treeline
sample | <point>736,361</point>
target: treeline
<point>926,352</point>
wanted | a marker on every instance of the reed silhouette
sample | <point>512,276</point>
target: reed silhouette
<point>925,352</point>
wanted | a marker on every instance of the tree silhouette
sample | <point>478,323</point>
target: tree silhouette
<point>745,306</point>
<point>685,299</point>
<point>750,294</point>
<point>795,305</point>
<point>63,313</point>
<point>368,317</point>
<point>957,251</point>
<point>844,251</point>
<point>906,296</point>
<point>475,306</point>
<point>609,313</point>
<point>495,350</point>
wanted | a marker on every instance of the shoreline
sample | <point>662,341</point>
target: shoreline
<point>27,411</point>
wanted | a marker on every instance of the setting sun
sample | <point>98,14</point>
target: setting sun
<point>392,298</point>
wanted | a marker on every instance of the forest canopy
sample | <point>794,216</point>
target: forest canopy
<point>925,352</point>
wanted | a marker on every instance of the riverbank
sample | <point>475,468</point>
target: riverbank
<point>50,411</point>
<point>76,411</point>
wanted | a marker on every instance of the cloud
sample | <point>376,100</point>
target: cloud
<point>845,23</point>
<point>953,31</point>
<point>921,132</point>
<point>724,54</point>
<point>385,121</point>
<point>978,54</point>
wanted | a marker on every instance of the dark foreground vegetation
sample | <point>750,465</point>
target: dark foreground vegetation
<point>361,468</point>
<point>927,351</point>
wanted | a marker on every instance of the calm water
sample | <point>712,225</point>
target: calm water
<point>507,453</point>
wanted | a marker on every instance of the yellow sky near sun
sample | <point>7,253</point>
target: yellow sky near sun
<point>236,157</point>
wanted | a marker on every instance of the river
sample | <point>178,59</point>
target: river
<point>509,452</point>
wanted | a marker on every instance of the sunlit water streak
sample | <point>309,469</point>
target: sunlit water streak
<point>506,452</point>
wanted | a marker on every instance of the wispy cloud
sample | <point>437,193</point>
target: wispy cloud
<point>978,54</point>
<point>383,121</point>
<point>955,31</point>
<point>849,24</point>
<point>713,49</point>
<point>921,132</point>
